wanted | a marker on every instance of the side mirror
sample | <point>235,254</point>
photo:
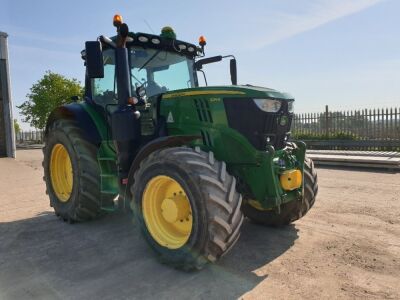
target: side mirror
<point>233,69</point>
<point>94,60</point>
<point>209,60</point>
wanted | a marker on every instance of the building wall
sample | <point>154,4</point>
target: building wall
<point>3,150</point>
<point>7,137</point>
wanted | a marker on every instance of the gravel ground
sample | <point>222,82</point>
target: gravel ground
<point>347,247</point>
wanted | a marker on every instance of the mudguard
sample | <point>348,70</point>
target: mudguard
<point>77,112</point>
<point>157,144</point>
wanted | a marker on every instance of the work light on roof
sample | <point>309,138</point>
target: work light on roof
<point>143,39</point>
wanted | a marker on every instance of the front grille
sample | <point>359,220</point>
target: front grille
<point>259,127</point>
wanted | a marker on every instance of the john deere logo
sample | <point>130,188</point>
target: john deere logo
<point>284,120</point>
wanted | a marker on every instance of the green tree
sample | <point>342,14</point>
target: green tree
<point>45,95</point>
<point>17,128</point>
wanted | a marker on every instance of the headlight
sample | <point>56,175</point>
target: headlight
<point>268,105</point>
<point>291,106</point>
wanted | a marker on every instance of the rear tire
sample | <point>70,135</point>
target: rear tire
<point>215,205</point>
<point>84,200</point>
<point>290,211</point>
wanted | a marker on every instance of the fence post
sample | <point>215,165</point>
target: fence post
<point>326,120</point>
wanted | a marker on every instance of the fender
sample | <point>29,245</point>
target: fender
<point>77,112</point>
<point>157,144</point>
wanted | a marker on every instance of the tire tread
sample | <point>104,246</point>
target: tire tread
<point>222,201</point>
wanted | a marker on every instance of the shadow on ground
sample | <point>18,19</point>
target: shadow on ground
<point>43,257</point>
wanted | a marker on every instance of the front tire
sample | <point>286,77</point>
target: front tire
<point>291,211</point>
<point>187,206</point>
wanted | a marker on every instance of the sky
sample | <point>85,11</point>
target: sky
<point>340,53</point>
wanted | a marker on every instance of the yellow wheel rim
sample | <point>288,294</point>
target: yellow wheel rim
<point>61,172</point>
<point>167,212</point>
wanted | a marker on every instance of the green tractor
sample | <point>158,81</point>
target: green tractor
<point>191,162</point>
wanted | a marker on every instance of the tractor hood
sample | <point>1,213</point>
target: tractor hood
<point>240,91</point>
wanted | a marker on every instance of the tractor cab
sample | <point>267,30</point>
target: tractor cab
<point>156,63</point>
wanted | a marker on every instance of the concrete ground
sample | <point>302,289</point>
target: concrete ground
<point>347,247</point>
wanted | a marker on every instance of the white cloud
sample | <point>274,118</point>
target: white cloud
<point>319,13</point>
<point>28,36</point>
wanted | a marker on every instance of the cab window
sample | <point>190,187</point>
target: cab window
<point>104,90</point>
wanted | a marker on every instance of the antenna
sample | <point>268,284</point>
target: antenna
<point>148,25</point>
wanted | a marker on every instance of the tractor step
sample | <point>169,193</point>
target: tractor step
<point>110,208</point>
<point>109,192</point>
<point>106,159</point>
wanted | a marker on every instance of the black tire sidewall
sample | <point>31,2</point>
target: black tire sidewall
<point>58,136</point>
<point>271,218</point>
<point>198,237</point>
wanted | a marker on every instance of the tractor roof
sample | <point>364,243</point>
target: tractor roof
<point>147,40</point>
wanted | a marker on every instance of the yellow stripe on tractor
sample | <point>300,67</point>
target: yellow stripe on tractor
<point>198,93</point>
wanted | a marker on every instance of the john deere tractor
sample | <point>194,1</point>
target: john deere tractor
<point>191,162</point>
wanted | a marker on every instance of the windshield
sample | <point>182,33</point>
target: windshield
<point>160,71</point>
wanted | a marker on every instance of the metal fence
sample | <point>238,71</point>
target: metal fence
<point>366,129</point>
<point>29,137</point>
